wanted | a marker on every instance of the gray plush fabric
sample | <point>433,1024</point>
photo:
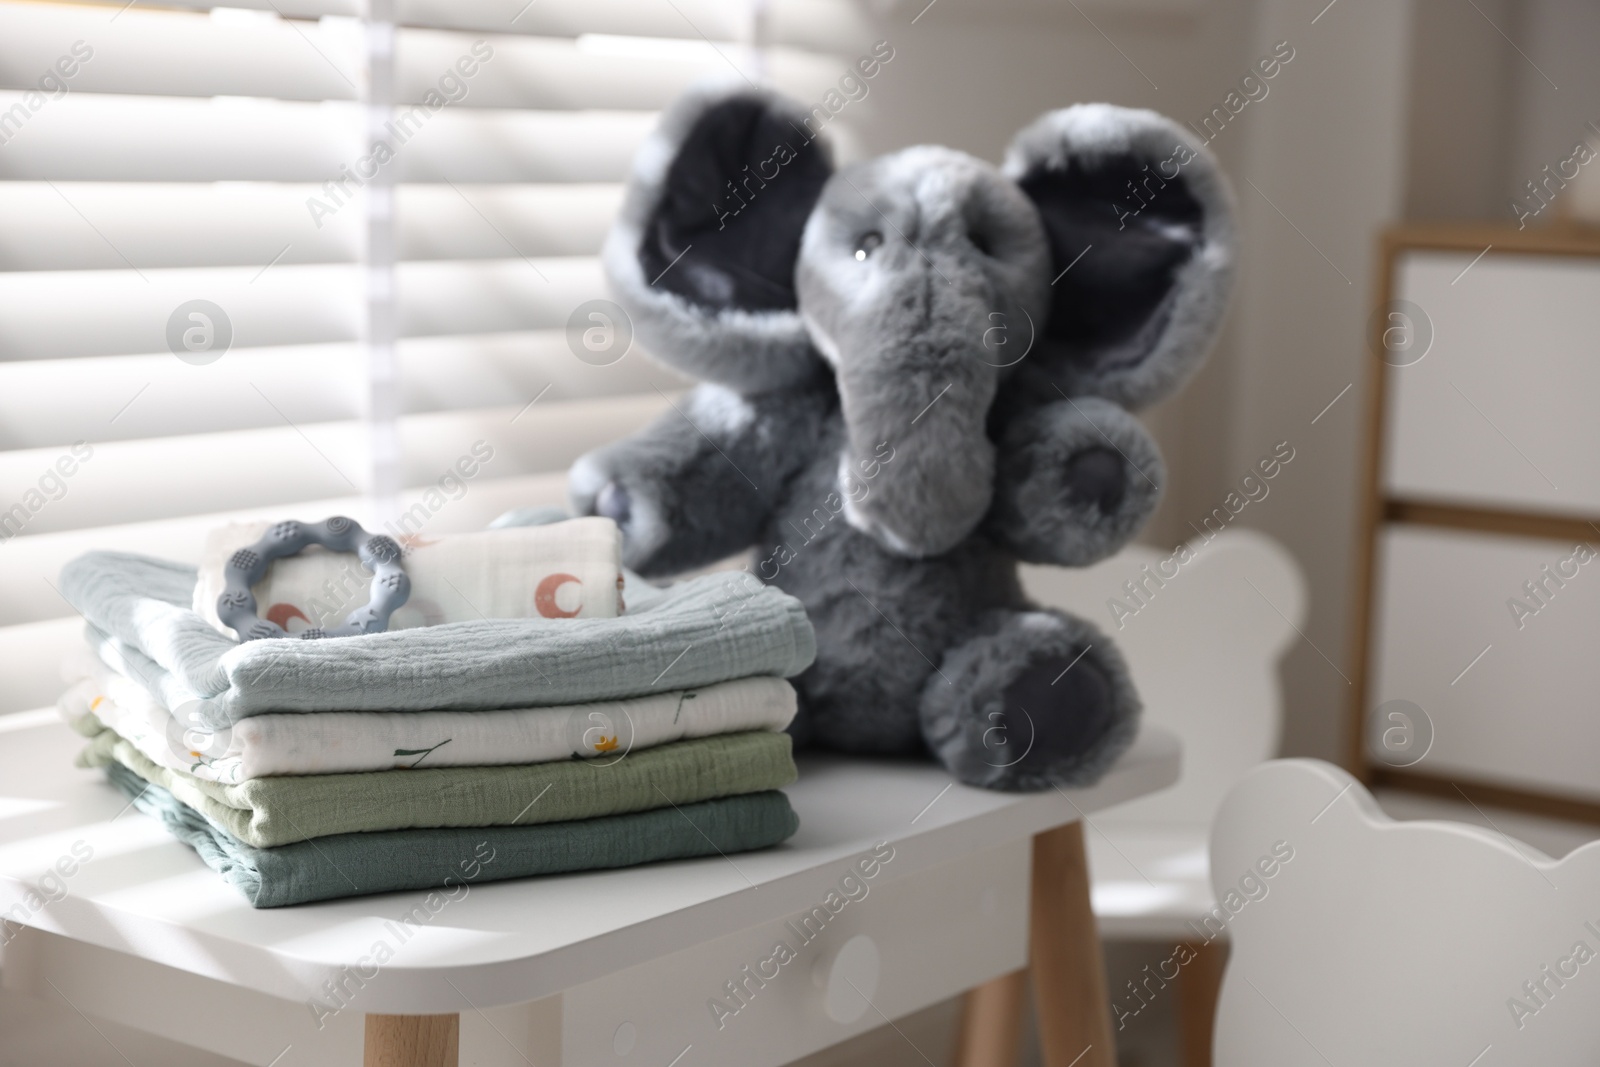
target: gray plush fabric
<point>954,412</point>
<point>1157,354</point>
<point>747,349</point>
<point>1084,711</point>
<point>700,483</point>
<point>1107,463</point>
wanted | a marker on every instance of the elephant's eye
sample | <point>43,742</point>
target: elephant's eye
<point>980,242</point>
<point>868,242</point>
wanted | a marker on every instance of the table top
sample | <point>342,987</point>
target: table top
<point>146,894</point>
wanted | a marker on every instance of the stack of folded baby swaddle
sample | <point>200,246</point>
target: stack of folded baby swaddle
<point>570,738</point>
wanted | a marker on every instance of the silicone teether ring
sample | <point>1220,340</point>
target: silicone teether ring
<point>236,607</point>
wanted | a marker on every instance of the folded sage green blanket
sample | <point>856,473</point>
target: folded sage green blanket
<point>450,861</point>
<point>694,633</point>
<point>267,812</point>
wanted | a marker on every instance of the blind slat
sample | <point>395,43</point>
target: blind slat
<point>155,478</point>
<point>166,224</point>
<point>171,53</point>
<point>176,53</point>
<point>837,26</point>
<point>31,658</point>
<point>51,403</point>
<point>825,25</point>
<point>98,137</point>
<point>285,305</point>
<point>193,224</point>
<point>717,18</point>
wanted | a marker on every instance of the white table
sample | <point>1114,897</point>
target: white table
<point>603,967</point>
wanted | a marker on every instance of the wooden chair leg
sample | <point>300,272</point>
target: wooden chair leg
<point>1199,983</point>
<point>991,1023</point>
<point>412,1041</point>
<point>1069,973</point>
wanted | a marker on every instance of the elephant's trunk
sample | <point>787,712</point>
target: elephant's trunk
<point>918,468</point>
<point>911,274</point>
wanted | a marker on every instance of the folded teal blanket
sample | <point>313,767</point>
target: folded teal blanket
<point>446,860</point>
<point>705,630</point>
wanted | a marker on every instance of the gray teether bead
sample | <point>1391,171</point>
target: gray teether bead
<point>236,607</point>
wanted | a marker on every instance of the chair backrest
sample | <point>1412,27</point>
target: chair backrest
<point>1363,941</point>
<point>1202,629</point>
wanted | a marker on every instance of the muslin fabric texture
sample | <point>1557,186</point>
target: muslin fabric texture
<point>336,742</point>
<point>708,629</point>
<point>268,812</point>
<point>446,860</point>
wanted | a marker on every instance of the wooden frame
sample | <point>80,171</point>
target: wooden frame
<point>1378,509</point>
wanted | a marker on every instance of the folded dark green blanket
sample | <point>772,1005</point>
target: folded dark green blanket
<point>267,812</point>
<point>446,860</point>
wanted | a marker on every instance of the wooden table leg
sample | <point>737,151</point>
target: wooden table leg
<point>991,1023</point>
<point>1069,972</point>
<point>1199,984</point>
<point>412,1041</point>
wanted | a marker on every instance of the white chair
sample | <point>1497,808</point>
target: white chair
<point>1374,943</point>
<point>1203,642</point>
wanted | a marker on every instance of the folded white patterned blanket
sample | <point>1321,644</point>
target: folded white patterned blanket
<point>339,742</point>
<point>708,629</point>
<point>561,570</point>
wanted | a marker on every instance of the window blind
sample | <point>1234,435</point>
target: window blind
<point>300,257</point>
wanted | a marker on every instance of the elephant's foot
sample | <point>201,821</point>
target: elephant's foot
<point>1034,699</point>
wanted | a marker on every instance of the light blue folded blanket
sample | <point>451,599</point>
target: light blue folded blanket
<point>698,632</point>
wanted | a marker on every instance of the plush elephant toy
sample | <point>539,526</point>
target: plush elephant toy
<point>917,371</point>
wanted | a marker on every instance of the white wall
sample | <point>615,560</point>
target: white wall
<point>1331,158</point>
<point>1463,95</point>
<point>1499,89</point>
<point>1561,38</point>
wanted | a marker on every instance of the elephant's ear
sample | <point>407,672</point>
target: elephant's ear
<point>1140,223</point>
<point>703,253</point>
